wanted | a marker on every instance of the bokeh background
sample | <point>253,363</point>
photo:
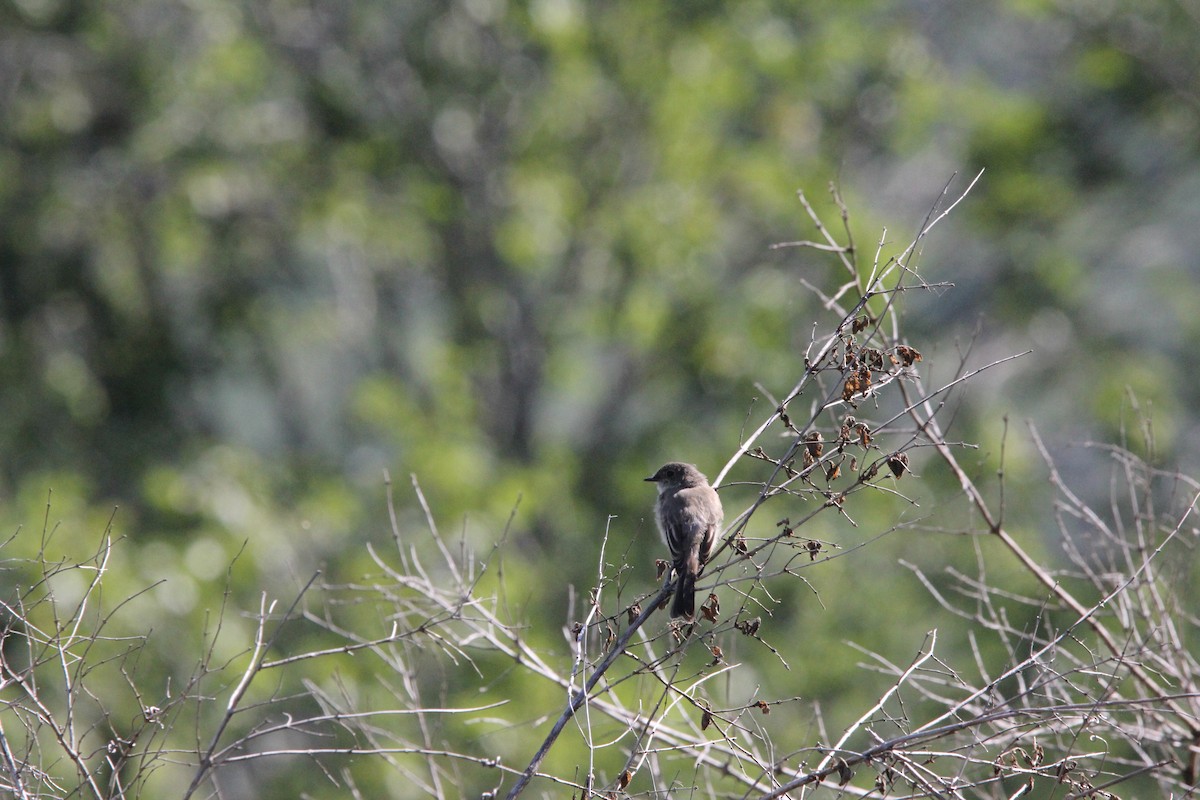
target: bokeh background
<point>253,255</point>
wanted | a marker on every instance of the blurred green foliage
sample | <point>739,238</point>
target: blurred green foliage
<point>252,256</point>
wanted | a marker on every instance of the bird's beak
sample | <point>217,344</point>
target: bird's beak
<point>650,479</point>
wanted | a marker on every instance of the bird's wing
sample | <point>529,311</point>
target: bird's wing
<point>700,520</point>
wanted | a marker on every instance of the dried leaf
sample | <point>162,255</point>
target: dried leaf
<point>852,387</point>
<point>711,609</point>
<point>908,355</point>
<point>864,434</point>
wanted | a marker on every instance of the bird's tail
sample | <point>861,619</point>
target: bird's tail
<point>684,602</point>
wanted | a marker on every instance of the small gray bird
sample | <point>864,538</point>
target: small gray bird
<point>689,514</point>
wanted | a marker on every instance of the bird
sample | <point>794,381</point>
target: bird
<point>689,514</point>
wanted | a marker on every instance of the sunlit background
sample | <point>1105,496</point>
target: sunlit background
<point>255,257</point>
